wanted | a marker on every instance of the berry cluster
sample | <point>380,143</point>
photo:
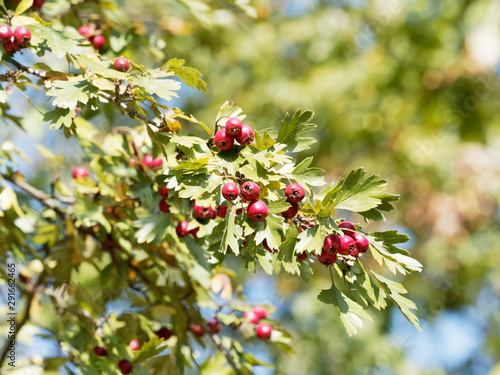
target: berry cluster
<point>234,129</point>
<point>262,330</point>
<point>214,326</point>
<point>94,35</point>
<point>14,41</point>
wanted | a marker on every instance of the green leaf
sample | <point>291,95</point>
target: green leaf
<point>190,76</point>
<point>349,311</point>
<point>164,88</point>
<point>98,67</point>
<point>151,227</point>
<point>69,93</point>
<point>367,292</point>
<point>293,128</point>
<point>89,213</point>
<point>59,117</point>
<point>23,6</point>
<point>312,239</point>
<point>276,207</point>
<point>230,236</point>
<point>374,213</point>
<point>228,109</point>
<point>60,43</point>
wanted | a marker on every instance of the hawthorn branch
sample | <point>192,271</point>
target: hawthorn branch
<point>36,72</point>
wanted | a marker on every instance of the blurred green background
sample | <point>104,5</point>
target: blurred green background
<point>408,89</point>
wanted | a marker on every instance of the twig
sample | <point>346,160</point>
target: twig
<point>36,72</point>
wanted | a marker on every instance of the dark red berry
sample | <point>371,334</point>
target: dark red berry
<point>294,193</point>
<point>355,253</point>
<point>223,140</point>
<point>5,34</point>
<point>347,227</point>
<point>233,126</point>
<point>198,330</point>
<point>221,211</point>
<point>38,3</point>
<point>164,206</point>
<point>134,344</point>
<point>292,211</point>
<point>302,256</point>
<point>347,245</point>
<point>182,230</point>
<point>245,137</point>
<point>85,31</point>
<point>214,325</point>
<point>22,36</point>
<point>24,279</point>
<point>121,64</point>
<point>332,243</point>
<point>194,232</point>
<point>266,246</point>
<point>202,212</point>
<point>361,242</point>
<point>250,191</point>
<point>251,316</point>
<point>164,333</point>
<point>98,41</point>
<point>164,192</point>
<point>326,258</point>
<point>125,366</point>
<point>100,351</point>
<point>11,46</point>
<point>257,211</point>
<point>264,331</point>
<point>260,312</point>
<point>80,172</point>
<point>230,191</point>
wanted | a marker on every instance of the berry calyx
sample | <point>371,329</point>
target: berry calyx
<point>202,212</point>
<point>260,312</point>
<point>98,41</point>
<point>121,64</point>
<point>223,140</point>
<point>292,210</point>
<point>230,191</point>
<point>251,316</point>
<point>264,331</point>
<point>100,351</point>
<point>5,34</point>
<point>214,325</point>
<point>80,172</point>
<point>125,366</point>
<point>134,344</point>
<point>245,137</point>
<point>233,126</point>
<point>294,193</point>
<point>221,211</point>
<point>164,192</point>
<point>266,246</point>
<point>85,31</point>
<point>198,330</point>
<point>181,229</point>
<point>332,243</point>
<point>164,333</point>
<point>22,36</point>
<point>250,191</point>
<point>347,245</point>
<point>326,258</point>
<point>361,242</point>
<point>347,227</point>
<point>164,207</point>
<point>257,211</point>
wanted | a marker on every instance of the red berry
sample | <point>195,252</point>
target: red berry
<point>22,36</point>
<point>230,191</point>
<point>250,191</point>
<point>233,126</point>
<point>198,330</point>
<point>100,351</point>
<point>292,211</point>
<point>164,206</point>
<point>164,333</point>
<point>251,316</point>
<point>38,3</point>
<point>85,31</point>
<point>245,137</point>
<point>302,256</point>
<point>326,258</point>
<point>223,140</point>
<point>164,192</point>
<point>221,211</point>
<point>125,366</point>
<point>266,246</point>
<point>134,344</point>
<point>294,193</point>
<point>5,34</point>
<point>146,160</point>
<point>80,172</point>
<point>355,253</point>
<point>155,163</point>
<point>347,245</point>
<point>361,242</point>
<point>260,312</point>
<point>332,243</point>
<point>202,212</point>
<point>264,331</point>
<point>194,232</point>
<point>11,46</point>
<point>347,227</point>
<point>257,211</point>
<point>121,64</point>
<point>182,230</point>
<point>98,41</point>
<point>214,325</point>
<point>239,211</point>
<point>24,279</point>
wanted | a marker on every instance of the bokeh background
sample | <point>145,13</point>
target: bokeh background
<point>408,89</point>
